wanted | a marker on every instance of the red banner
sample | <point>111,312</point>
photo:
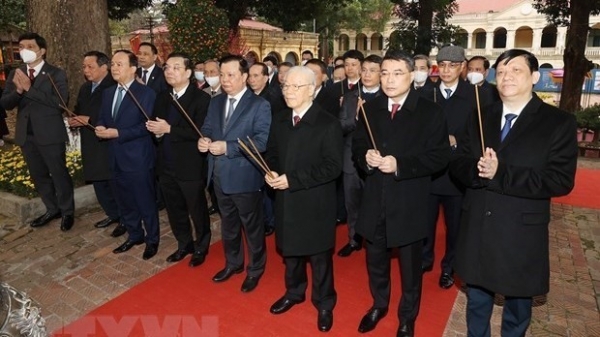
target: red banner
<point>135,43</point>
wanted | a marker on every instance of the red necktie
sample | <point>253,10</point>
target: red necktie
<point>31,74</point>
<point>296,120</point>
<point>350,86</point>
<point>395,108</point>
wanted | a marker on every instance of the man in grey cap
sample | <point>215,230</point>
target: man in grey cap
<point>457,99</point>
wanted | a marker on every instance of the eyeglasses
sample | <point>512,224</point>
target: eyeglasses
<point>292,87</point>
<point>451,65</point>
<point>369,71</point>
<point>175,68</point>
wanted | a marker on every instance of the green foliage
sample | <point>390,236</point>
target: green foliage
<point>589,118</point>
<point>12,12</point>
<point>558,12</point>
<point>198,28</point>
<point>423,25</point>
<point>360,14</point>
<point>120,9</point>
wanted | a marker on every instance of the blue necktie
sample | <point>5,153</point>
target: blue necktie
<point>448,93</point>
<point>94,86</point>
<point>229,111</point>
<point>118,101</point>
<point>144,78</point>
<point>507,126</point>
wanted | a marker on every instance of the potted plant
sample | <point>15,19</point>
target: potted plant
<point>588,120</point>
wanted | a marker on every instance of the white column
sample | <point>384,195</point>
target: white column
<point>536,44</point>
<point>489,43</point>
<point>561,37</point>
<point>470,41</point>
<point>510,39</point>
<point>368,46</point>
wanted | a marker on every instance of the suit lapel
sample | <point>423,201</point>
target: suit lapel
<point>526,117</point>
<point>241,106</point>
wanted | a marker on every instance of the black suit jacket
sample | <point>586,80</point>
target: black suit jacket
<point>503,239</point>
<point>418,138</point>
<point>94,151</point>
<point>310,155</point>
<point>155,79</point>
<point>39,106</point>
<point>328,102</point>
<point>188,163</point>
<point>339,89</point>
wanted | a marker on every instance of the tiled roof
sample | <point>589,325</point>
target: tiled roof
<point>252,24</point>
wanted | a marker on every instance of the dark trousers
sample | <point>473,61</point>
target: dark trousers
<point>451,206</point>
<point>378,268</point>
<point>185,200</point>
<point>323,295</point>
<point>242,211</point>
<point>269,205</point>
<point>341,204</point>
<point>47,166</point>
<point>516,314</point>
<point>353,188</point>
<point>136,197</point>
<point>106,198</point>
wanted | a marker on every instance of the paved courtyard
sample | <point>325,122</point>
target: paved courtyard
<point>71,273</point>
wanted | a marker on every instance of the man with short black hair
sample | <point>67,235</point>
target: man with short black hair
<point>149,72</point>
<point>94,151</point>
<point>478,69</point>
<point>306,55</point>
<point>37,89</point>
<point>271,62</point>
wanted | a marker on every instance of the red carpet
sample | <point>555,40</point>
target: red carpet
<point>585,193</point>
<point>182,301</point>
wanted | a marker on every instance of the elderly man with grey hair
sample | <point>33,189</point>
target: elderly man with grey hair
<point>304,152</point>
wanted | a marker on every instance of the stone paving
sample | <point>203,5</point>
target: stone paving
<point>71,273</point>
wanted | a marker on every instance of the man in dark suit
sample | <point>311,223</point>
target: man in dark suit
<point>237,114</point>
<point>40,129</point>
<point>422,70</point>
<point>530,156</point>
<point>323,97</point>
<point>271,62</point>
<point>457,99</point>
<point>94,151</point>
<point>353,181</point>
<point>477,71</point>
<point>305,153</point>
<point>199,75</point>
<point>131,152</point>
<point>148,72</point>
<point>352,61</point>
<point>411,145</point>
<point>181,168</point>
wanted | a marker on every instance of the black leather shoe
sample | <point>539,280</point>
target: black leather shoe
<point>250,283</point>
<point>119,230</point>
<point>348,249</point>
<point>446,281</point>
<point>150,251</point>
<point>106,222</point>
<point>44,219</point>
<point>226,273</point>
<point>325,320</point>
<point>282,305</point>
<point>197,259</point>
<point>127,245</point>
<point>406,330</point>
<point>213,210</point>
<point>269,230</point>
<point>178,255</point>
<point>370,320</point>
<point>67,223</point>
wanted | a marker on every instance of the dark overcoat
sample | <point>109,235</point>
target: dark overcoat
<point>188,163</point>
<point>310,155</point>
<point>418,138</point>
<point>94,151</point>
<point>503,240</point>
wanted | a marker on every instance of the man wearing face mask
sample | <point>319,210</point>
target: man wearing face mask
<point>199,75</point>
<point>40,129</point>
<point>306,55</point>
<point>457,99</point>
<point>422,67</point>
<point>478,69</point>
<point>211,76</point>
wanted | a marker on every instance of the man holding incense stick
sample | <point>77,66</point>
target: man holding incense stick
<point>125,109</point>
<point>37,90</point>
<point>411,144</point>
<point>236,178</point>
<point>180,167</point>
<point>305,153</point>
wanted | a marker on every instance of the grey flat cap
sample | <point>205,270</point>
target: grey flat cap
<point>451,53</point>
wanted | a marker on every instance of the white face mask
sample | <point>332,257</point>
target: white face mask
<point>270,70</point>
<point>199,75</point>
<point>212,81</point>
<point>421,76</point>
<point>304,62</point>
<point>336,81</point>
<point>475,77</point>
<point>28,56</point>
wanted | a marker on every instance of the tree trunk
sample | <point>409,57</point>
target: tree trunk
<point>576,65</point>
<point>423,45</point>
<point>71,28</point>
